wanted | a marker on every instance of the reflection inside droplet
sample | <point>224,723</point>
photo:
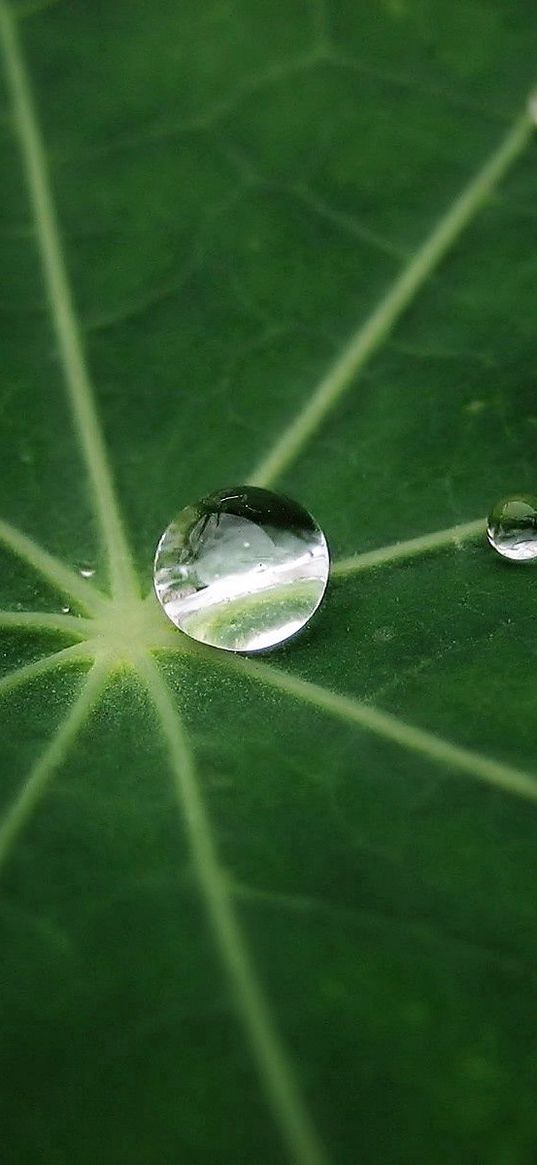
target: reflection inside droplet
<point>512,528</point>
<point>86,571</point>
<point>243,569</point>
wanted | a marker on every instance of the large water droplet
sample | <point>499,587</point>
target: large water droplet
<point>242,569</point>
<point>512,528</point>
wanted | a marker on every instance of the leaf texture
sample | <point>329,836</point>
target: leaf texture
<point>282,909</point>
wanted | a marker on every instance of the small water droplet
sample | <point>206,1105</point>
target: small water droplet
<point>65,610</point>
<point>242,569</point>
<point>86,571</point>
<point>512,528</point>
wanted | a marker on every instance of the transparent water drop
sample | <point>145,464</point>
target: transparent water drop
<point>87,571</point>
<point>512,528</point>
<point>243,569</point>
<point>65,610</point>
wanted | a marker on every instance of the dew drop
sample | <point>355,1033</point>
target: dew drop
<point>65,610</point>
<point>243,569</point>
<point>512,528</point>
<point>87,571</point>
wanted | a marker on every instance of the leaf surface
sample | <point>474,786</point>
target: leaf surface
<point>279,909</point>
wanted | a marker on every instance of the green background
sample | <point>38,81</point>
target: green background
<point>238,183</point>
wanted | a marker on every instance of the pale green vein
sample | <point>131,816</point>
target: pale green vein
<point>275,1070</point>
<point>346,916</point>
<point>42,621</point>
<point>370,335</point>
<point>76,653</point>
<point>86,595</point>
<point>410,548</point>
<point>77,380</point>
<point>389,727</point>
<point>40,776</point>
<point>344,222</point>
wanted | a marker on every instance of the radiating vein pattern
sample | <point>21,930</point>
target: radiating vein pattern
<point>126,631</point>
<point>66,326</point>
<point>410,548</point>
<point>43,621</point>
<point>77,653</point>
<point>50,568</point>
<point>276,1072</point>
<point>43,771</point>
<point>391,728</point>
<point>370,335</point>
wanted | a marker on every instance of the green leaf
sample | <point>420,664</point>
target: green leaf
<point>278,909</point>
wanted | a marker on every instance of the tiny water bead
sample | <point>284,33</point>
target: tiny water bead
<point>512,528</point>
<point>86,571</point>
<point>243,569</point>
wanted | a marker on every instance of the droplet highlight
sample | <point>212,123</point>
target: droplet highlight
<point>512,528</point>
<point>87,571</point>
<point>244,569</point>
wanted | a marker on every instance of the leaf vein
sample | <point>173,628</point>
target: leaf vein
<point>79,388</point>
<point>276,1072</point>
<point>389,727</point>
<point>40,775</point>
<point>410,548</point>
<point>76,653</point>
<point>370,335</point>
<point>88,597</point>
<point>43,621</point>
